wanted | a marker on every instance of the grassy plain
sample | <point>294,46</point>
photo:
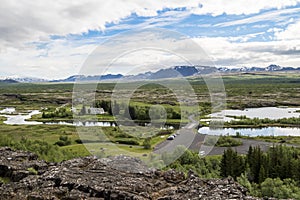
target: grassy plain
<point>242,90</point>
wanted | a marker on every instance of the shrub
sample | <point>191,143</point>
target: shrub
<point>227,141</point>
<point>129,142</point>
<point>147,143</point>
<point>63,141</point>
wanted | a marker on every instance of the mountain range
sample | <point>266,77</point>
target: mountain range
<point>172,72</point>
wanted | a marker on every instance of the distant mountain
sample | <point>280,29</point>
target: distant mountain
<point>184,71</point>
<point>89,78</point>
<point>30,80</point>
<point>172,72</point>
<point>8,81</point>
<point>270,68</point>
<point>23,79</point>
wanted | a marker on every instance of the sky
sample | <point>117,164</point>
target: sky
<point>54,39</point>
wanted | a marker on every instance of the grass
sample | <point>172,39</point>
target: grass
<point>277,139</point>
<point>77,150</point>
<point>49,133</point>
<point>111,149</point>
<point>52,133</point>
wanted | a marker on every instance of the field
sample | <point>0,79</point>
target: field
<point>242,90</point>
<point>246,90</point>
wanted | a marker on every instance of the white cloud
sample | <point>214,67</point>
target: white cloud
<point>23,21</point>
<point>275,16</point>
<point>147,50</point>
<point>66,58</point>
<point>225,52</point>
<point>59,60</point>
<point>292,32</point>
<point>238,7</point>
<point>164,19</point>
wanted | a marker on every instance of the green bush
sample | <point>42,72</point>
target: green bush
<point>44,150</point>
<point>63,141</point>
<point>58,113</point>
<point>222,141</point>
<point>227,141</point>
<point>281,189</point>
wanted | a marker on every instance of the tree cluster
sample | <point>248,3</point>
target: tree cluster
<point>58,113</point>
<point>278,162</point>
<point>105,104</point>
<point>144,113</point>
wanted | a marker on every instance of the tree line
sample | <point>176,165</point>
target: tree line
<point>243,120</point>
<point>275,173</point>
<point>138,112</point>
<point>58,113</point>
<point>278,162</point>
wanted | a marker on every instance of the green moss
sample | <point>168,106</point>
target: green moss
<point>32,171</point>
<point>4,180</point>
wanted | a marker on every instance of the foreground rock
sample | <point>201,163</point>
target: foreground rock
<point>91,178</point>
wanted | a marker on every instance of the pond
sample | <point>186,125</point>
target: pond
<point>7,111</point>
<point>20,119</point>
<point>265,112</point>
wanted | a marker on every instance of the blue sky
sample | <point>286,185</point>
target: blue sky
<point>54,41</point>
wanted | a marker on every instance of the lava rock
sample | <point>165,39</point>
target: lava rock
<point>110,178</point>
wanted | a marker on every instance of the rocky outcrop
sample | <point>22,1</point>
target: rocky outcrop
<point>110,178</point>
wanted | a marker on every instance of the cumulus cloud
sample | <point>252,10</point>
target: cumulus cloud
<point>290,33</point>
<point>23,21</point>
<point>58,60</point>
<point>225,52</point>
